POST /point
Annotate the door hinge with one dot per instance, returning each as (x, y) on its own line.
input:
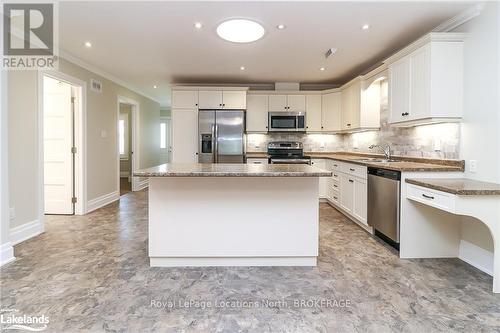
(73, 150)
(73, 200)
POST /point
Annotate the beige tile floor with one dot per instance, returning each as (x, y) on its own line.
(90, 274)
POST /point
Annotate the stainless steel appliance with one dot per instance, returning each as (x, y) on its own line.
(383, 204)
(286, 122)
(221, 136)
(287, 152)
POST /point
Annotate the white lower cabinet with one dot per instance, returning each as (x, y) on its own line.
(255, 160)
(323, 181)
(347, 189)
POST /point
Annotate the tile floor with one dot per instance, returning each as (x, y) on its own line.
(91, 274)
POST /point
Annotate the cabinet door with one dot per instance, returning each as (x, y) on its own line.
(347, 192)
(346, 108)
(330, 112)
(184, 135)
(313, 112)
(296, 103)
(257, 108)
(420, 83)
(184, 99)
(277, 103)
(355, 111)
(211, 99)
(399, 90)
(360, 203)
(236, 100)
(319, 163)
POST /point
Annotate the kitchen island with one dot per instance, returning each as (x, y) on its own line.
(233, 214)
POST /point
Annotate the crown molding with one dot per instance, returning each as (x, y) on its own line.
(430, 37)
(460, 19)
(79, 62)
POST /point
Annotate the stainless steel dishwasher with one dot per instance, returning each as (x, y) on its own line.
(383, 204)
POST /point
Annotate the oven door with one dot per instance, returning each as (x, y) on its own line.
(286, 122)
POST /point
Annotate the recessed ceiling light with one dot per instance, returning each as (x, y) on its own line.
(155, 86)
(88, 44)
(198, 25)
(240, 31)
(365, 27)
(322, 68)
(242, 68)
(281, 26)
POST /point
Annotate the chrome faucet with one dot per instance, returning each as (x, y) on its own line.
(385, 148)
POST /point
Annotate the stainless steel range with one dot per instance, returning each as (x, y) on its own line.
(287, 152)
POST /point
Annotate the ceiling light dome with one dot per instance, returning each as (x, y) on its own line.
(240, 31)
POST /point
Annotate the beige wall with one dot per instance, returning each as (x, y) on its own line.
(101, 114)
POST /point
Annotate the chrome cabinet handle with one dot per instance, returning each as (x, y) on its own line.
(428, 196)
(352, 169)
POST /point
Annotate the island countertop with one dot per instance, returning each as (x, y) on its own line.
(232, 170)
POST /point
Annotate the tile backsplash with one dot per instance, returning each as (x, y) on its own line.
(431, 141)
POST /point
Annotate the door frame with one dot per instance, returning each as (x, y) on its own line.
(80, 121)
(134, 147)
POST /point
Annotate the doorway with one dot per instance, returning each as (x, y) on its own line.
(124, 145)
(127, 154)
(165, 140)
(61, 144)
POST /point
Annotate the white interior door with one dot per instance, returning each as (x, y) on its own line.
(57, 144)
(164, 140)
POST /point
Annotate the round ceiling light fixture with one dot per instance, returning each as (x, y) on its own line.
(240, 31)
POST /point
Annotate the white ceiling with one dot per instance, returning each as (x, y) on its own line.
(155, 43)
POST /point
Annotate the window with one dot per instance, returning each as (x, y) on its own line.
(163, 135)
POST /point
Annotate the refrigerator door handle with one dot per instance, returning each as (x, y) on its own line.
(214, 140)
(216, 146)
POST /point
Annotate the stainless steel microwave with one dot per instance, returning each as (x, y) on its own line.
(286, 122)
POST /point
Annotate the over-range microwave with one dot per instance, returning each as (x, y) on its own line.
(286, 122)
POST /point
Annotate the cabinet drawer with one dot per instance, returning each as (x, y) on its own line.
(336, 176)
(441, 200)
(336, 165)
(335, 197)
(335, 184)
(257, 161)
(355, 170)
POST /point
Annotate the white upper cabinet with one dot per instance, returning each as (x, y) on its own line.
(360, 105)
(330, 112)
(257, 108)
(184, 99)
(285, 103)
(234, 99)
(277, 103)
(210, 99)
(313, 113)
(296, 103)
(426, 81)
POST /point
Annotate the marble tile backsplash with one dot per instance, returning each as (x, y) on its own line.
(312, 142)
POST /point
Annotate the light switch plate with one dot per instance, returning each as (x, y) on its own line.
(473, 166)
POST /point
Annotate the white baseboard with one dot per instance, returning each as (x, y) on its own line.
(142, 184)
(6, 253)
(25, 231)
(102, 201)
(476, 256)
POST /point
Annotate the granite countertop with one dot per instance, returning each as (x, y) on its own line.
(409, 164)
(458, 186)
(232, 170)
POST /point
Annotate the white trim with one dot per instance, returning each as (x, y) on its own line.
(460, 19)
(6, 253)
(476, 256)
(77, 61)
(134, 149)
(230, 261)
(80, 141)
(142, 184)
(102, 201)
(25, 231)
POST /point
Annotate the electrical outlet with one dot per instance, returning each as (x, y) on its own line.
(473, 166)
(12, 213)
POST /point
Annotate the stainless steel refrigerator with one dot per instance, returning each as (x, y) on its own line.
(221, 136)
